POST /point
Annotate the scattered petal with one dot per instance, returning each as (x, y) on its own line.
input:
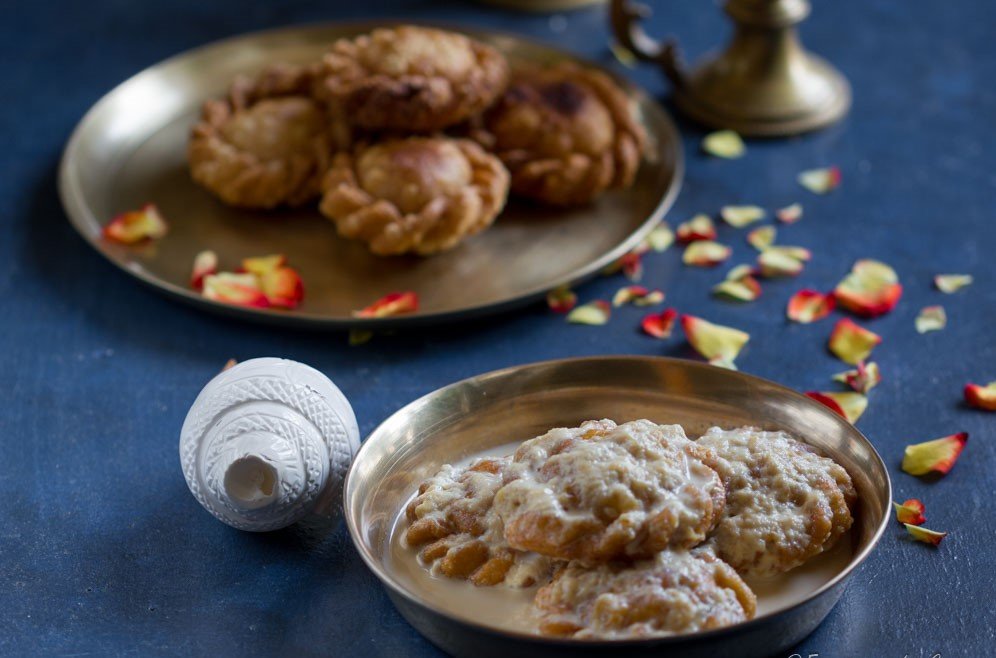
(762, 237)
(359, 336)
(808, 306)
(852, 343)
(561, 300)
(931, 318)
(862, 379)
(699, 227)
(395, 303)
(820, 181)
(206, 262)
(848, 404)
(871, 288)
(937, 456)
(910, 512)
(637, 295)
(632, 266)
(721, 362)
(706, 253)
(597, 312)
(981, 397)
(623, 54)
(950, 283)
(133, 226)
(231, 363)
(659, 325)
(744, 289)
(237, 289)
(724, 144)
(713, 341)
(774, 262)
(740, 272)
(741, 216)
(789, 214)
(661, 238)
(798, 253)
(260, 265)
(282, 286)
(926, 536)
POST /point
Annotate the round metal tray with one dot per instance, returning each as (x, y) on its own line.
(521, 402)
(130, 149)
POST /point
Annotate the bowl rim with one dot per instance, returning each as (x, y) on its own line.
(396, 589)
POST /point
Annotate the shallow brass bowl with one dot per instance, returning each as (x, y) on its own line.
(521, 402)
(130, 149)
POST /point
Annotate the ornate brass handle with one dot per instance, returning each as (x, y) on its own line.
(626, 18)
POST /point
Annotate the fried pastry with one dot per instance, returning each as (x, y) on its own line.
(602, 491)
(459, 534)
(566, 134)
(420, 194)
(785, 502)
(411, 78)
(676, 591)
(266, 144)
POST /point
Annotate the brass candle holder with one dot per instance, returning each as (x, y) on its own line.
(764, 84)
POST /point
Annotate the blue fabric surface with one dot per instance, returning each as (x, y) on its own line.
(102, 549)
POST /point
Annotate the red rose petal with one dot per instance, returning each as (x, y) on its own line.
(931, 537)
(848, 404)
(937, 456)
(659, 325)
(699, 227)
(808, 306)
(206, 262)
(395, 303)
(235, 289)
(134, 226)
(871, 288)
(910, 512)
(852, 343)
(561, 300)
(981, 397)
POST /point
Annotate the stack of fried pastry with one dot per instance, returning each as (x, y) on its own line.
(633, 530)
(411, 138)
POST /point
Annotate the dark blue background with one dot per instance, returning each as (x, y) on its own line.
(102, 549)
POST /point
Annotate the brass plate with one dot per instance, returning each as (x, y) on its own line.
(518, 403)
(130, 147)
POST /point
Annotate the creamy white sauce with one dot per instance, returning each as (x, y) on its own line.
(508, 609)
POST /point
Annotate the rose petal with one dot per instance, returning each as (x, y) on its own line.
(240, 289)
(659, 325)
(773, 262)
(926, 536)
(820, 181)
(597, 312)
(359, 336)
(133, 226)
(862, 379)
(721, 362)
(713, 341)
(848, 404)
(395, 303)
(852, 343)
(632, 266)
(808, 306)
(260, 265)
(762, 237)
(740, 272)
(744, 289)
(724, 144)
(931, 318)
(910, 512)
(937, 456)
(741, 216)
(661, 238)
(638, 295)
(206, 262)
(789, 214)
(561, 300)
(871, 288)
(231, 363)
(981, 397)
(705, 253)
(282, 286)
(699, 227)
(949, 283)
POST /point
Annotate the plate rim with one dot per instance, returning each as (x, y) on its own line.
(80, 214)
(394, 589)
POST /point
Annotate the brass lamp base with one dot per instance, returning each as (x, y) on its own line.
(764, 84)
